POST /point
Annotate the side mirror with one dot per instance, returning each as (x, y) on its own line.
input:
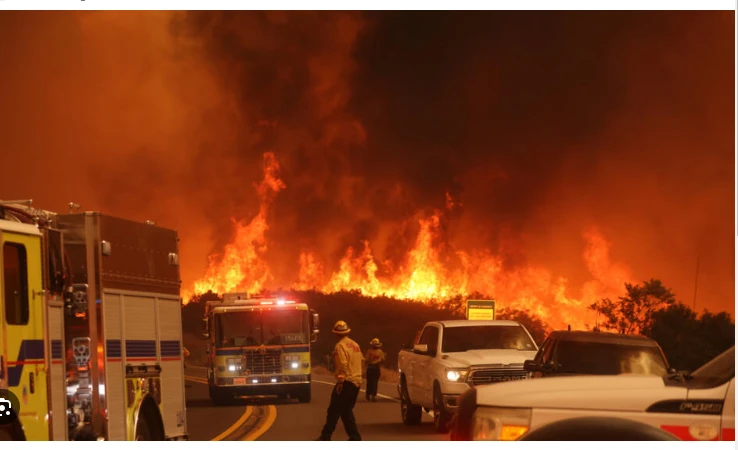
(314, 326)
(549, 367)
(530, 366)
(205, 330)
(420, 348)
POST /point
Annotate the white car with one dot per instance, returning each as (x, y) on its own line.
(698, 406)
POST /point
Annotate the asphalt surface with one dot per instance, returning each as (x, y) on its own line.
(271, 419)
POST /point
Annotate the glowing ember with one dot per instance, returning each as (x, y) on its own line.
(423, 275)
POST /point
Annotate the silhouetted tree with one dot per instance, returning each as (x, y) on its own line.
(634, 312)
(688, 341)
(536, 327)
(194, 310)
(676, 330)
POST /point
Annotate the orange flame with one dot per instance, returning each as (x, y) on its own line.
(242, 266)
(423, 275)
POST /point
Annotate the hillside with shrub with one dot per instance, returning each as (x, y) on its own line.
(688, 340)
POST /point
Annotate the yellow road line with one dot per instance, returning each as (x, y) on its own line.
(262, 427)
(254, 433)
(236, 425)
(196, 379)
(244, 417)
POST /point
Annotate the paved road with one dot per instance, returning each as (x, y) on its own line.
(271, 419)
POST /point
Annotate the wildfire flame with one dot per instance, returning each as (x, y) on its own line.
(242, 266)
(424, 275)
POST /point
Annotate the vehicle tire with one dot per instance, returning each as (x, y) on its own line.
(5, 435)
(216, 397)
(143, 432)
(305, 395)
(441, 416)
(149, 426)
(411, 414)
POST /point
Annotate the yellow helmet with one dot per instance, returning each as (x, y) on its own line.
(375, 343)
(341, 328)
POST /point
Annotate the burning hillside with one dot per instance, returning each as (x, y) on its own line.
(420, 154)
(429, 271)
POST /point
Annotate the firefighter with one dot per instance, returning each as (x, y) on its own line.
(349, 362)
(374, 357)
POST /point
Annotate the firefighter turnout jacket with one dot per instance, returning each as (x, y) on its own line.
(349, 361)
(375, 356)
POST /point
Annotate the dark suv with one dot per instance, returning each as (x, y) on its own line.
(597, 353)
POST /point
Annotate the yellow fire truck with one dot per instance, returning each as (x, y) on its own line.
(259, 345)
(90, 326)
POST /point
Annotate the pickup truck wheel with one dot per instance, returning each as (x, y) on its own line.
(411, 414)
(441, 417)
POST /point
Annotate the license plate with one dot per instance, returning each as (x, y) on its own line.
(240, 381)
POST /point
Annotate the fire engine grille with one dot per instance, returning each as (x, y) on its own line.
(497, 375)
(258, 363)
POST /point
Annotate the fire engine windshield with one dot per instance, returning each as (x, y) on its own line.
(270, 327)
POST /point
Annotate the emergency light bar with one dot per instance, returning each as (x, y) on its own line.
(279, 302)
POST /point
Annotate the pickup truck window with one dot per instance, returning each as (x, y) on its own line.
(544, 354)
(715, 373)
(430, 338)
(599, 358)
(462, 339)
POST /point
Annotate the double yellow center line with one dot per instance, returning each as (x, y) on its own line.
(261, 427)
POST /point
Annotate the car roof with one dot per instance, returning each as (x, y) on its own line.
(472, 323)
(603, 337)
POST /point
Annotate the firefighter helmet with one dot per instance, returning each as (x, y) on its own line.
(341, 328)
(375, 343)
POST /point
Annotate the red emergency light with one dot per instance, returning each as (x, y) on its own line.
(279, 302)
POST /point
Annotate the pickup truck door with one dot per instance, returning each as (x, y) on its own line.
(413, 372)
(423, 369)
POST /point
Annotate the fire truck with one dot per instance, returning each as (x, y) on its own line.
(90, 326)
(259, 345)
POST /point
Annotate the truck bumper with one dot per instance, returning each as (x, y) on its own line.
(263, 389)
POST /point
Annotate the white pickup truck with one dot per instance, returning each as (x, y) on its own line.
(699, 406)
(451, 356)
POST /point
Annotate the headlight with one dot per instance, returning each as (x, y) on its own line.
(500, 424)
(233, 364)
(456, 375)
(292, 361)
